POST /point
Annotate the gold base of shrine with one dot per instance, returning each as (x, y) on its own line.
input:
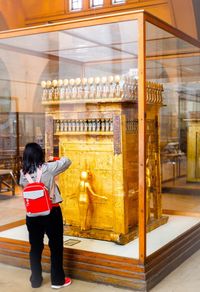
(108, 235)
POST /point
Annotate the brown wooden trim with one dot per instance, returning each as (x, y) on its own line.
(12, 225)
(97, 19)
(183, 238)
(107, 8)
(15, 254)
(107, 3)
(162, 262)
(89, 63)
(180, 213)
(86, 5)
(6, 242)
(13, 242)
(142, 139)
(84, 262)
(173, 56)
(126, 267)
(66, 6)
(79, 264)
(74, 23)
(104, 257)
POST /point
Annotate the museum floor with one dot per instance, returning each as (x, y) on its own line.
(185, 278)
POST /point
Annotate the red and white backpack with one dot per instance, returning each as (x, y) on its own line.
(36, 197)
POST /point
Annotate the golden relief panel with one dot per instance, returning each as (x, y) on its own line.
(99, 184)
(193, 152)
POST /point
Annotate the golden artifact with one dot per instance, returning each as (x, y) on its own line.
(85, 197)
(193, 151)
(148, 190)
(153, 188)
(98, 130)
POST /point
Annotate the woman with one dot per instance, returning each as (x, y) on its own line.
(52, 224)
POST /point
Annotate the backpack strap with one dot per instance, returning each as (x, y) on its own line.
(39, 174)
(28, 177)
(38, 178)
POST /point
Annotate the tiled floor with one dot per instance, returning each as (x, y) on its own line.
(186, 278)
(11, 210)
(13, 279)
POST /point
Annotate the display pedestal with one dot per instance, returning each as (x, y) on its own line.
(107, 235)
(96, 266)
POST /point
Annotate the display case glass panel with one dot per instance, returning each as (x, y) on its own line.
(80, 90)
(175, 64)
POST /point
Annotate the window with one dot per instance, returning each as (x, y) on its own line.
(76, 4)
(118, 1)
(96, 3)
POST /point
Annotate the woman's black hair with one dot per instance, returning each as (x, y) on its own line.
(33, 157)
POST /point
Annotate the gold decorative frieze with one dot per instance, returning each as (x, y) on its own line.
(84, 126)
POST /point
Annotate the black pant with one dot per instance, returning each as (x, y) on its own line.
(52, 225)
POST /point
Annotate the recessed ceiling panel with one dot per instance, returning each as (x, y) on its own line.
(98, 53)
(114, 33)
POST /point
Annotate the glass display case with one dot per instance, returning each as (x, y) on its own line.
(118, 95)
(17, 129)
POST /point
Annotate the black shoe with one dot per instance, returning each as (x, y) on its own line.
(36, 284)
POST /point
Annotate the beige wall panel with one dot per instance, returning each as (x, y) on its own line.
(161, 11)
(13, 15)
(38, 9)
(184, 17)
(24, 72)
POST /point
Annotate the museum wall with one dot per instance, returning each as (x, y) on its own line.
(11, 14)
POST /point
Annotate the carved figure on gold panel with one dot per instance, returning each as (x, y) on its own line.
(148, 190)
(84, 199)
(153, 189)
(157, 195)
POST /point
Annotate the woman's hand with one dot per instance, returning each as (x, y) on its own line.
(53, 158)
(50, 158)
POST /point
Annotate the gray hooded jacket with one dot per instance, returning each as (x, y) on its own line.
(49, 171)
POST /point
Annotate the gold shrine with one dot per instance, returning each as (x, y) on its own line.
(193, 149)
(97, 129)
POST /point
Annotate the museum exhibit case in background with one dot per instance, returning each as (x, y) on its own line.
(118, 95)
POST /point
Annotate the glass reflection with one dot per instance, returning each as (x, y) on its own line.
(175, 64)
